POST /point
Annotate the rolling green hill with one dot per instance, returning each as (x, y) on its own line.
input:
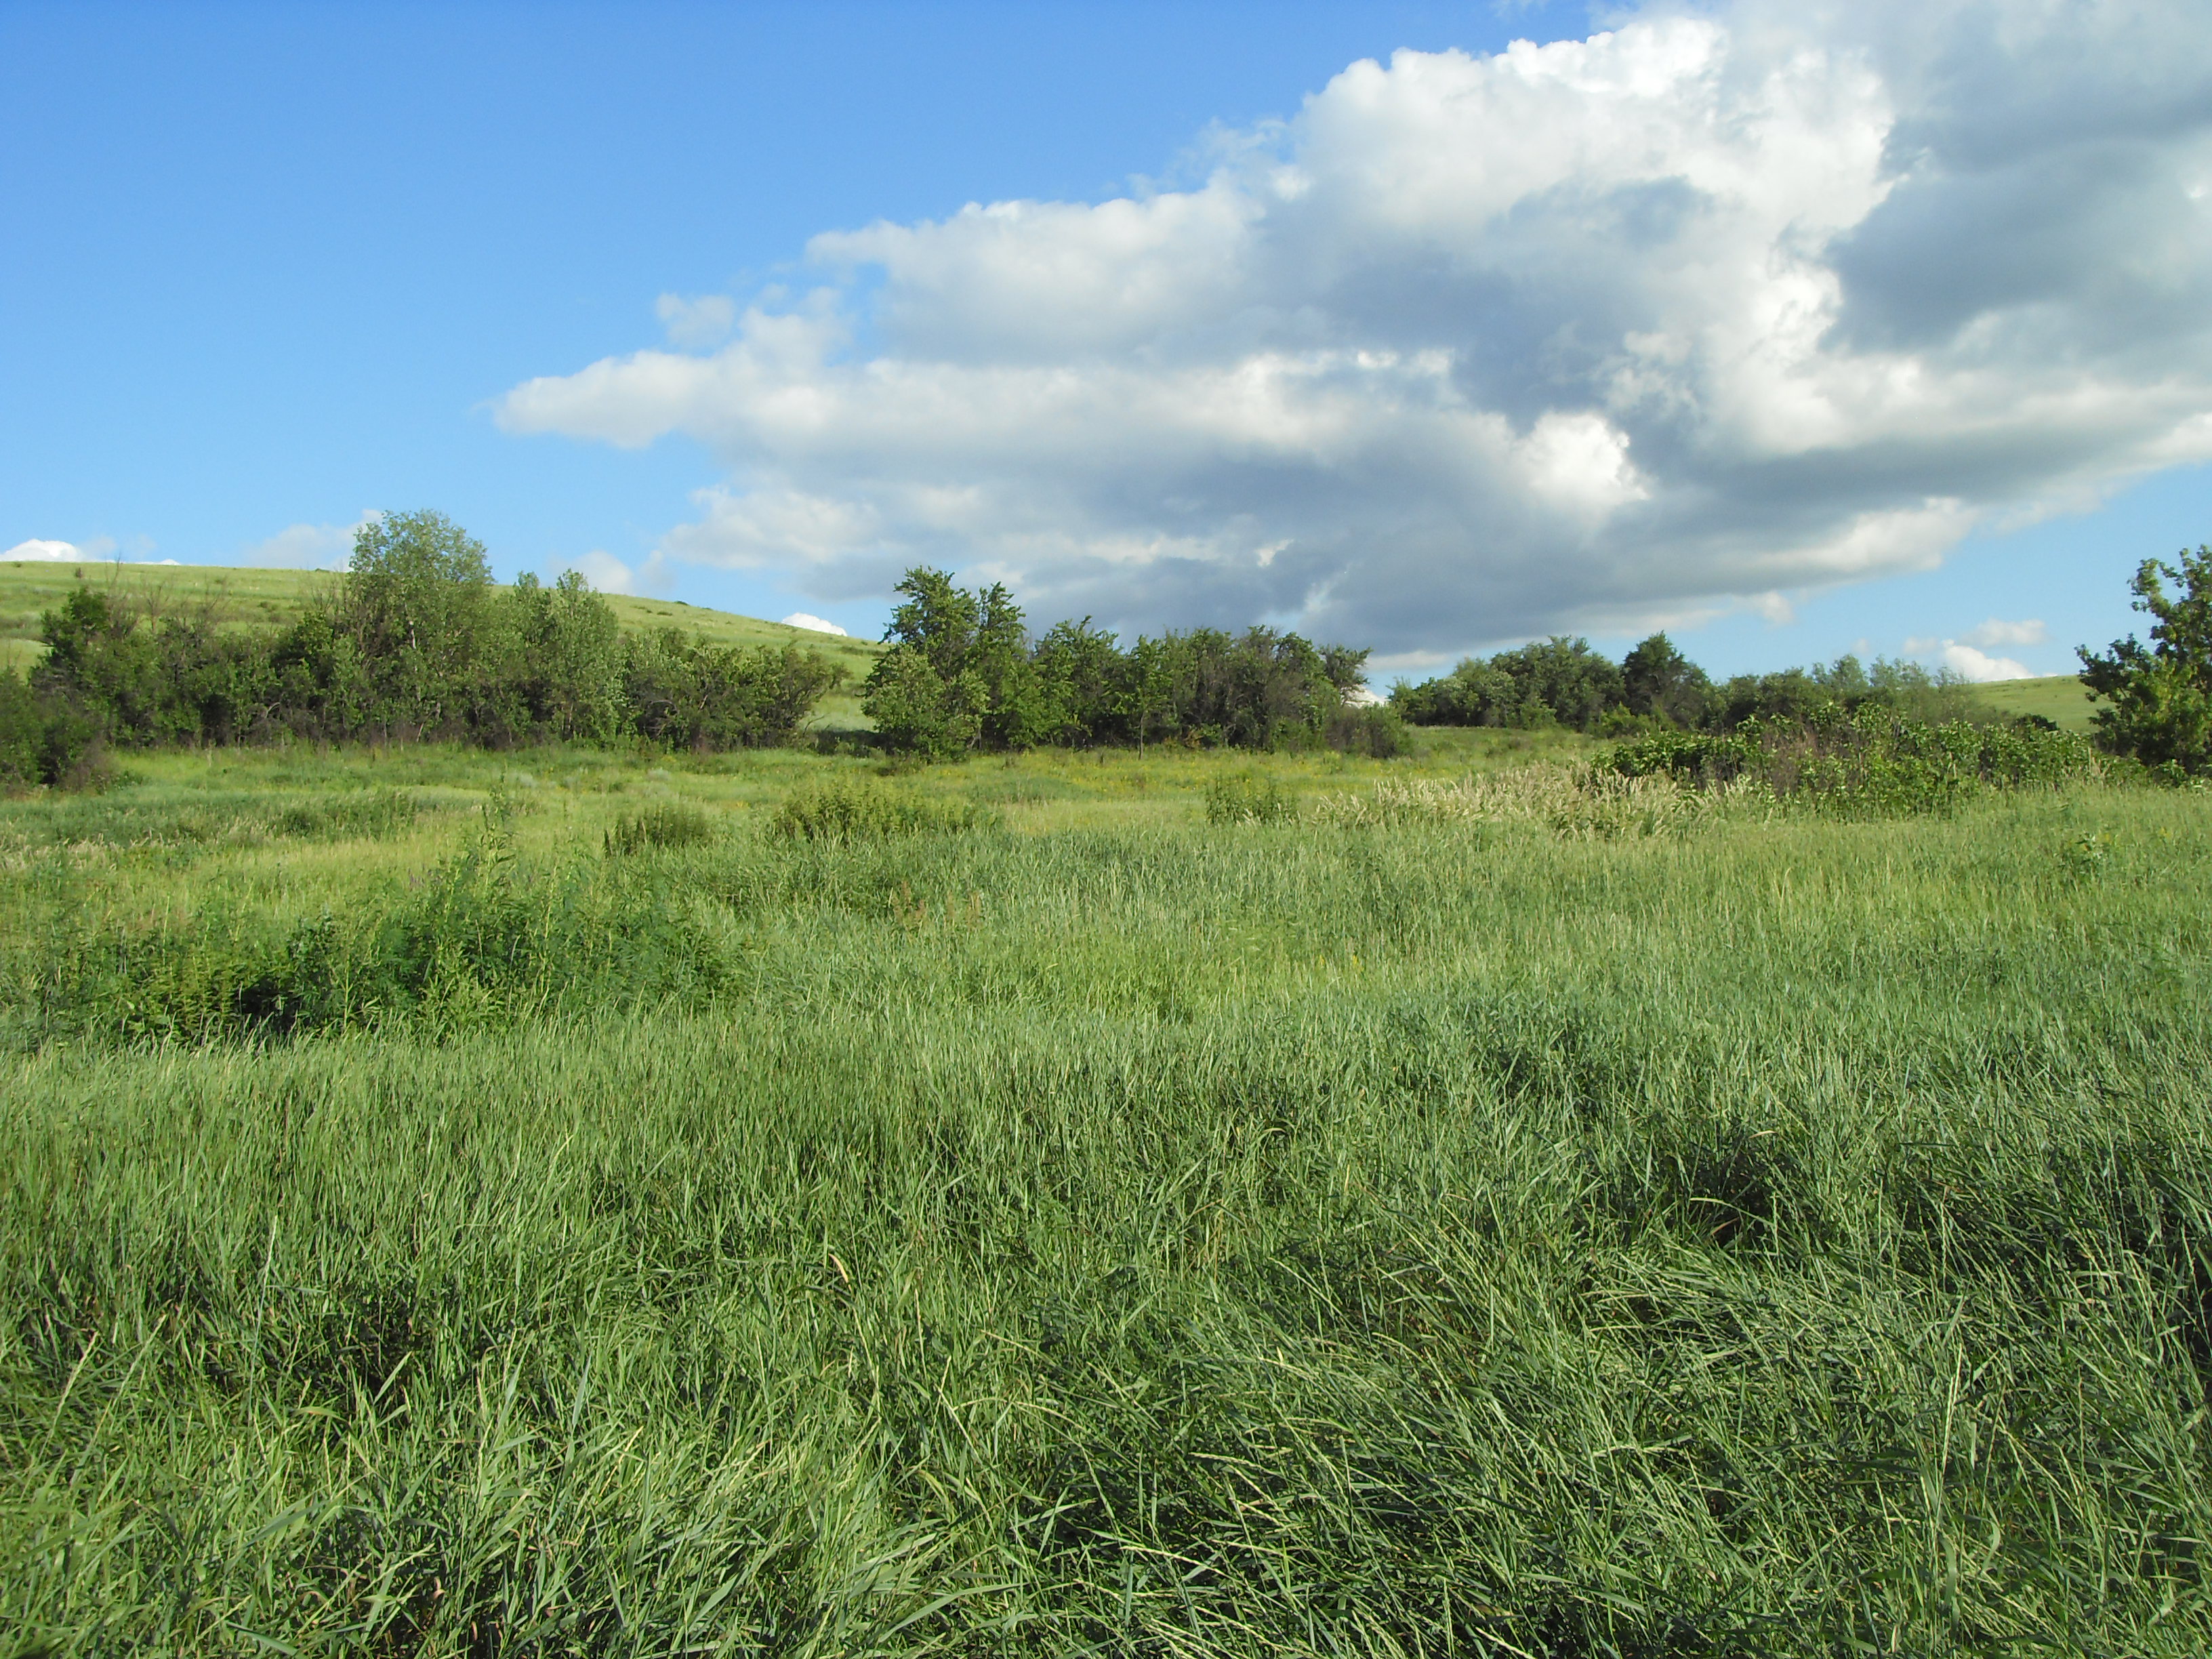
(274, 598)
(2058, 697)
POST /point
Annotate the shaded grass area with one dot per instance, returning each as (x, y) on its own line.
(1097, 1230)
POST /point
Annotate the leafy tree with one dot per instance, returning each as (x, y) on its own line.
(1658, 681)
(916, 707)
(1556, 681)
(418, 603)
(570, 669)
(2160, 695)
(1082, 681)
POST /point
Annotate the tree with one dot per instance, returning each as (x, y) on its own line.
(1658, 680)
(2160, 695)
(418, 603)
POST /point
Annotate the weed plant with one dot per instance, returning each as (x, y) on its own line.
(1247, 798)
(846, 812)
(1444, 1229)
(673, 824)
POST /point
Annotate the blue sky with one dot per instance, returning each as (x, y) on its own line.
(273, 266)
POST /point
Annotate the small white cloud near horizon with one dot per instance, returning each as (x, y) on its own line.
(308, 546)
(607, 573)
(705, 321)
(1968, 663)
(42, 550)
(1996, 631)
(814, 624)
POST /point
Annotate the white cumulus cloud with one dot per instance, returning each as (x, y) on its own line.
(814, 624)
(1996, 631)
(704, 321)
(1967, 661)
(308, 546)
(1693, 312)
(607, 573)
(45, 550)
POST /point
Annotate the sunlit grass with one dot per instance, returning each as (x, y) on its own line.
(1080, 1227)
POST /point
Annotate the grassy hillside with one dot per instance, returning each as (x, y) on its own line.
(273, 599)
(1723, 1231)
(2056, 697)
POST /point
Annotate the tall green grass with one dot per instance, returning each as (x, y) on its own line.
(1440, 1232)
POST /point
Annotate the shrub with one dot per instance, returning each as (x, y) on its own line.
(848, 812)
(365, 815)
(1873, 762)
(1246, 798)
(672, 824)
(1378, 734)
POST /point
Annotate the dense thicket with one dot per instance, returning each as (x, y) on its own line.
(965, 673)
(1565, 682)
(415, 642)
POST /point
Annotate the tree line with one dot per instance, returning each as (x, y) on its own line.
(415, 642)
(963, 673)
(1563, 682)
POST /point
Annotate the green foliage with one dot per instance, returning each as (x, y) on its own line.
(1657, 682)
(2159, 695)
(415, 643)
(1557, 680)
(687, 694)
(420, 607)
(962, 674)
(1656, 688)
(570, 676)
(919, 709)
(1379, 734)
(848, 812)
(45, 738)
(672, 823)
(1247, 798)
(1873, 763)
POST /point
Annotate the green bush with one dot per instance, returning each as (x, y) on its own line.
(1246, 798)
(1378, 734)
(1872, 763)
(850, 812)
(672, 824)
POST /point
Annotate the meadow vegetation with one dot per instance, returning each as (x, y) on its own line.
(1513, 1198)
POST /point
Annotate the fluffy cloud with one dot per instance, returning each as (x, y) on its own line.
(50, 551)
(1996, 631)
(701, 322)
(1689, 313)
(814, 624)
(308, 546)
(1966, 661)
(609, 574)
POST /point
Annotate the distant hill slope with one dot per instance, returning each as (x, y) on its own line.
(2058, 697)
(274, 598)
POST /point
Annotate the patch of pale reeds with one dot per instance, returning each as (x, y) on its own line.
(1571, 800)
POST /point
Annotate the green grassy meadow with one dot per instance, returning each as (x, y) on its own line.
(1721, 1230)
